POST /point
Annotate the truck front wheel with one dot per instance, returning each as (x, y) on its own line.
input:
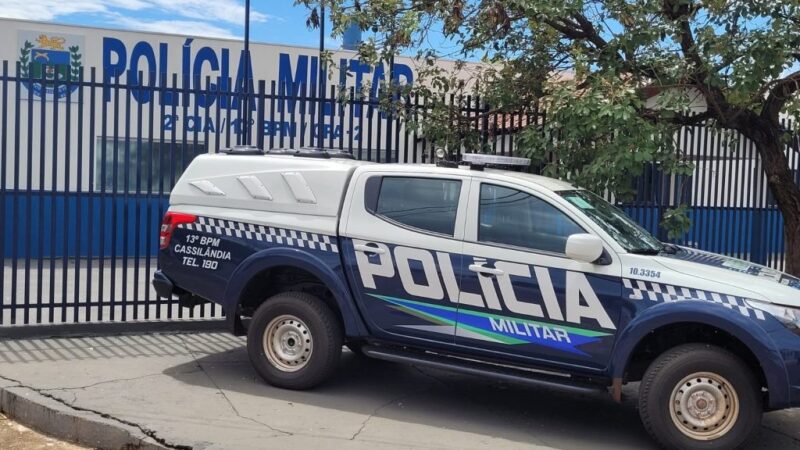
(697, 396)
(294, 340)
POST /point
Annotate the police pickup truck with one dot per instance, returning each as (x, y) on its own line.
(490, 272)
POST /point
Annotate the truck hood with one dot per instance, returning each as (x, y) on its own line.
(766, 284)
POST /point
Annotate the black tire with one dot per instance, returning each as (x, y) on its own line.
(318, 321)
(660, 396)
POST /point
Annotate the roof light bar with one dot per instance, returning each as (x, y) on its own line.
(477, 158)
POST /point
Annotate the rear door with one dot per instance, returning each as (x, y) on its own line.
(401, 242)
(521, 296)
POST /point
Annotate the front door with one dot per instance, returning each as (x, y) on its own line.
(402, 246)
(521, 297)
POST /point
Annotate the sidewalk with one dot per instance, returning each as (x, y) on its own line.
(197, 390)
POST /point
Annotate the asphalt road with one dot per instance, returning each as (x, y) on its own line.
(200, 390)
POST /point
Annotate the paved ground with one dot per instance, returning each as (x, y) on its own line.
(199, 390)
(14, 436)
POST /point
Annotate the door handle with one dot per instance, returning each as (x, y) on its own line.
(485, 270)
(368, 249)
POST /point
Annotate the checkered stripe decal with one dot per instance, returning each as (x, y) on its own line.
(264, 233)
(657, 292)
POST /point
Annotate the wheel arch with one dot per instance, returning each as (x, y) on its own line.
(260, 264)
(697, 321)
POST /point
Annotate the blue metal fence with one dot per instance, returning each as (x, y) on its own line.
(86, 166)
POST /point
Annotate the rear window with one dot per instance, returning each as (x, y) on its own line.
(428, 204)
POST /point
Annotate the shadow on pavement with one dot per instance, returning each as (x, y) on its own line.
(519, 413)
(442, 399)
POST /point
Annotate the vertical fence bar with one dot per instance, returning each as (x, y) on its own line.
(340, 97)
(126, 188)
(67, 196)
(228, 106)
(396, 127)
(190, 97)
(292, 117)
(415, 115)
(303, 100)
(272, 101)
(262, 87)
(407, 111)
(76, 288)
(351, 118)
(113, 197)
(16, 199)
(29, 204)
(283, 97)
(740, 221)
(41, 197)
(729, 197)
(313, 109)
(92, 194)
(210, 99)
(330, 130)
(359, 132)
(381, 117)
(103, 194)
(3, 185)
(172, 148)
(705, 188)
(136, 300)
(149, 201)
(51, 211)
(162, 118)
(370, 120)
(217, 115)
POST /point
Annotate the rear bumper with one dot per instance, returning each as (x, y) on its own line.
(166, 288)
(163, 285)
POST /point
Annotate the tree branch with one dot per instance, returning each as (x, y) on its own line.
(680, 13)
(655, 115)
(579, 28)
(782, 90)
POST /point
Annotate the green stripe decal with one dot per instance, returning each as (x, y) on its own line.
(449, 309)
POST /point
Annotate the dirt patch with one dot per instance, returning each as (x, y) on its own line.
(14, 436)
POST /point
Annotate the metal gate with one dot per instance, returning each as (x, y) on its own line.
(86, 165)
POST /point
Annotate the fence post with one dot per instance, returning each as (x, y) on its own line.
(758, 249)
(258, 128)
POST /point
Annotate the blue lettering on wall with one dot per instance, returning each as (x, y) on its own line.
(297, 77)
(142, 50)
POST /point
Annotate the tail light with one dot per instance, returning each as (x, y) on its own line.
(169, 223)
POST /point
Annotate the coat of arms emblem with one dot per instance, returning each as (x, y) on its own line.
(50, 64)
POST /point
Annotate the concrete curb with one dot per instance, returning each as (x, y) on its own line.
(104, 328)
(82, 427)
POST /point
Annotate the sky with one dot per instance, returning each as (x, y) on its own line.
(273, 21)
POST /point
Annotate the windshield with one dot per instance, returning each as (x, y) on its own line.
(628, 233)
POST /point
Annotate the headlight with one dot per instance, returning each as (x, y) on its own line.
(788, 316)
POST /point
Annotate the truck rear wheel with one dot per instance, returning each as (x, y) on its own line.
(697, 396)
(294, 340)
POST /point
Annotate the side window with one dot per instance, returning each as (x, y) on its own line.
(428, 204)
(511, 217)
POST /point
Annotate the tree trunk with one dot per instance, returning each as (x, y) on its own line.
(781, 182)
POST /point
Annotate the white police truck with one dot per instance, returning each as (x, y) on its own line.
(489, 272)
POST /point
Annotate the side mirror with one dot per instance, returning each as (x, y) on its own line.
(584, 247)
